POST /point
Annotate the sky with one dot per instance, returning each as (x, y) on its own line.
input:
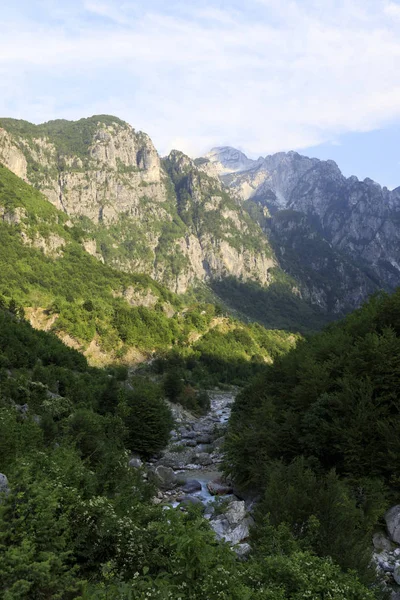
(318, 76)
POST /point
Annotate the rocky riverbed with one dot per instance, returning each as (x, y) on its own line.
(386, 554)
(188, 471)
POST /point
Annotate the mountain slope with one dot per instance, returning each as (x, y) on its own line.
(108, 314)
(307, 206)
(284, 220)
(110, 181)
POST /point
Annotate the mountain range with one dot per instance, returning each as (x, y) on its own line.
(285, 227)
(186, 280)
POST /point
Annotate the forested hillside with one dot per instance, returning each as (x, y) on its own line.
(77, 522)
(91, 351)
(317, 436)
(110, 315)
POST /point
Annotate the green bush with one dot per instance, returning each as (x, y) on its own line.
(147, 418)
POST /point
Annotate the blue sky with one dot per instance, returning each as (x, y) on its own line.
(318, 76)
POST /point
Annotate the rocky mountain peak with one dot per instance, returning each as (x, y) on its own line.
(182, 220)
(180, 160)
(230, 160)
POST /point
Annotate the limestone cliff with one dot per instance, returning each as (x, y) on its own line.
(132, 210)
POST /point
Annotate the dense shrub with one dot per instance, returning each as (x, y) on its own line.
(147, 418)
(332, 400)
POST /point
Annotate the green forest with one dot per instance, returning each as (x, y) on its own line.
(76, 521)
(90, 301)
(317, 435)
(313, 435)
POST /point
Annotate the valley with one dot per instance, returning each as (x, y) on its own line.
(199, 372)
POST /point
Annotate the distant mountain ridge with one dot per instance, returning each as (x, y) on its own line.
(358, 218)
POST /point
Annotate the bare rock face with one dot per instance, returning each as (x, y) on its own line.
(392, 518)
(222, 240)
(11, 155)
(164, 477)
(309, 204)
(4, 487)
(168, 218)
(107, 179)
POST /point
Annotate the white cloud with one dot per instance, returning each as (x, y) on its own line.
(392, 9)
(274, 76)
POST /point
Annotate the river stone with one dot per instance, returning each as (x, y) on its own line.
(241, 532)
(204, 439)
(191, 485)
(209, 511)
(200, 426)
(381, 542)
(218, 442)
(396, 573)
(217, 488)
(220, 527)
(135, 462)
(165, 477)
(190, 435)
(203, 458)
(392, 518)
(4, 487)
(204, 448)
(242, 550)
(191, 500)
(236, 512)
(191, 443)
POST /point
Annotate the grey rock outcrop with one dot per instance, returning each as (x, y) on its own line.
(392, 518)
(4, 487)
(309, 204)
(135, 462)
(156, 212)
(164, 477)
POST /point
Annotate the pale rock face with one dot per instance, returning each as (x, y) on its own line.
(11, 155)
(209, 169)
(91, 248)
(123, 167)
(12, 217)
(229, 160)
(118, 180)
(192, 249)
(51, 246)
(244, 264)
(136, 297)
(233, 216)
